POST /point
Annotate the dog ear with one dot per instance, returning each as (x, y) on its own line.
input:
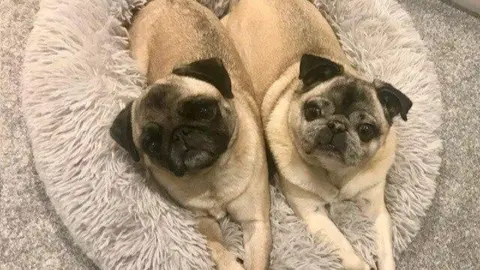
(121, 131)
(393, 100)
(211, 71)
(317, 69)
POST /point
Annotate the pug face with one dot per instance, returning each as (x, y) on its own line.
(184, 122)
(338, 120)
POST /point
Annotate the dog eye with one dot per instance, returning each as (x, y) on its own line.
(206, 113)
(366, 132)
(200, 110)
(311, 112)
(151, 138)
(154, 148)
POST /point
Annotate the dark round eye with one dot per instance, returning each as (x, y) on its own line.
(206, 113)
(151, 138)
(366, 132)
(311, 112)
(200, 110)
(154, 148)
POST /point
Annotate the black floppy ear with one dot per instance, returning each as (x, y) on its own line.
(211, 71)
(121, 131)
(393, 100)
(317, 69)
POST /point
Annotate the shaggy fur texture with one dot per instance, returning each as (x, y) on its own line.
(78, 75)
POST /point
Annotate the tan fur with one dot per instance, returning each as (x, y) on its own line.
(280, 37)
(167, 34)
(271, 37)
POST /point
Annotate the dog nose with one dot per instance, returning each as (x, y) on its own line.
(327, 137)
(340, 141)
(182, 133)
(336, 126)
(324, 136)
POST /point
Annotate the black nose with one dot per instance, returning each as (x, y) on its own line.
(336, 126)
(340, 141)
(182, 133)
(334, 135)
(324, 136)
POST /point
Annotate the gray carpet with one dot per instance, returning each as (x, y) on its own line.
(32, 237)
(31, 234)
(450, 238)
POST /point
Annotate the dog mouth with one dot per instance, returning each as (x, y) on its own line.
(183, 159)
(326, 145)
(329, 148)
(187, 149)
(194, 149)
(326, 150)
(328, 142)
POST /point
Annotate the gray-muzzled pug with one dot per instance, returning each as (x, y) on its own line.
(330, 131)
(197, 129)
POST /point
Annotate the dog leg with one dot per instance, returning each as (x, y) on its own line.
(223, 258)
(324, 229)
(375, 209)
(311, 209)
(252, 211)
(383, 226)
(257, 242)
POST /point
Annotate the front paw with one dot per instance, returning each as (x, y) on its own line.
(385, 263)
(353, 262)
(229, 261)
(232, 266)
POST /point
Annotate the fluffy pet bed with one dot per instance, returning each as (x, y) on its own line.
(78, 75)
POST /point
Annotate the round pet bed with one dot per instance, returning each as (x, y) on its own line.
(78, 75)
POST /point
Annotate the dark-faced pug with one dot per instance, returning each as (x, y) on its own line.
(196, 128)
(330, 130)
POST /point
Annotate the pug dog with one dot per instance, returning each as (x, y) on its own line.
(329, 129)
(197, 129)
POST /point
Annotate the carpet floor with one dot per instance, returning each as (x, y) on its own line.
(33, 237)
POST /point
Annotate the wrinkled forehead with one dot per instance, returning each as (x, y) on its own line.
(180, 87)
(160, 94)
(352, 96)
(349, 95)
(174, 90)
(164, 97)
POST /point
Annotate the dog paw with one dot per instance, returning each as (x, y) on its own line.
(385, 263)
(355, 263)
(230, 266)
(236, 266)
(230, 262)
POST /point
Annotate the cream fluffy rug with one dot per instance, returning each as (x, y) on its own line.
(78, 75)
